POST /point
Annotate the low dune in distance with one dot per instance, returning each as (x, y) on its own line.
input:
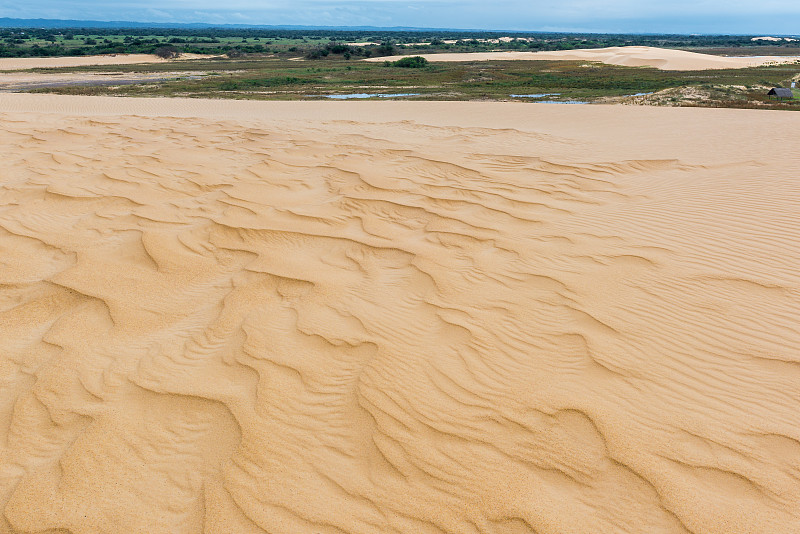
(427, 317)
(24, 63)
(630, 56)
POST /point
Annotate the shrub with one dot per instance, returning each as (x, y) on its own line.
(413, 62)
(167, 52)
(385, 49)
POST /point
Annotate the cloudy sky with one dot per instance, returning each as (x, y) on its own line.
(679, 16)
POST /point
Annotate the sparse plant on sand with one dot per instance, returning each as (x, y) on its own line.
(167, 52)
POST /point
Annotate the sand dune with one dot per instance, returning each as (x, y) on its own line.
(631, 56)
(319, 317)
(23, 63)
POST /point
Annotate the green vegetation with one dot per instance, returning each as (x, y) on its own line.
(318, 44)
(273, 78)
(411, 62)
(167, 52)
(301, 64)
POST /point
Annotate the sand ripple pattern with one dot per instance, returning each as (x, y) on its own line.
(285, 327)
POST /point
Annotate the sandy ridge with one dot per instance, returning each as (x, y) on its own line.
(631, 56)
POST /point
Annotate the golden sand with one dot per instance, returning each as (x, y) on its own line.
(630, 56)
(328, 317)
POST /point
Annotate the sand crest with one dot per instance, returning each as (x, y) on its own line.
(325, 317)
(631, 56)
(23, 63)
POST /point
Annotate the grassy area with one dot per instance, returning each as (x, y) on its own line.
(271, 78)
(762, 50)
(32, 43)
(298, 64)
(27, 42)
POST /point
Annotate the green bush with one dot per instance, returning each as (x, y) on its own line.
(167, 52)
(414, 62)
(385, 49)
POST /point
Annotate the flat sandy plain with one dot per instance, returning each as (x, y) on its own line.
(14, 81)
(328, 317)
(629, 56)
(25, 63)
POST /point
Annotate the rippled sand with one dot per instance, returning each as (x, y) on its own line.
(629, 56)
(235, 317)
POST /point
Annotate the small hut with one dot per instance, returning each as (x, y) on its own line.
(780, 92)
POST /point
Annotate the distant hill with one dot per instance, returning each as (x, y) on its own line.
(58, 23)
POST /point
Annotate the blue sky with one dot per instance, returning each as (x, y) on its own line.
(679, 16)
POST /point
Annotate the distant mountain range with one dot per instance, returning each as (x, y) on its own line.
(58, 23)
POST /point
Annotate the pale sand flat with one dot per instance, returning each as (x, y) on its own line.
(24, 63)
(631, 56)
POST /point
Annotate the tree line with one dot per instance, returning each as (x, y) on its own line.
(320, 44)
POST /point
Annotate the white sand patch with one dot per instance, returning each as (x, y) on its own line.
(632, 56)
